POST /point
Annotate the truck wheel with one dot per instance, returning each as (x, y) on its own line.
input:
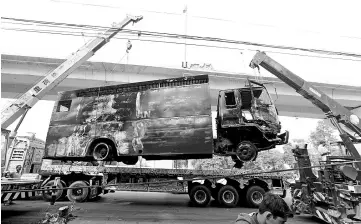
(254, 196)
(246, 151)
(58, 193)
(79, 194)
(200, 195)
(228, 196)
(102, 151)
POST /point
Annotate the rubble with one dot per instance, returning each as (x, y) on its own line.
(63, 216)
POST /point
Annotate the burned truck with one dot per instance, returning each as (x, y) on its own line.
(162, 119)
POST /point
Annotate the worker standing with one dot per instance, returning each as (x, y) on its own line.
(16, 174)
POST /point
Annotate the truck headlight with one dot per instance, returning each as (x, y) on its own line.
(354, 119)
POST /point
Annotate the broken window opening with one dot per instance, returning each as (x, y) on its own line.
(230, 99)
(265, 98)
(64, 106)
(246, 98)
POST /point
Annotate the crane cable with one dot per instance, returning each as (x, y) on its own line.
(129, 46)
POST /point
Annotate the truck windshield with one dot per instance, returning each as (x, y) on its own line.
(262, 96)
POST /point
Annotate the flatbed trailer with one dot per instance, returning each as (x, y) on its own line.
(228, 187)
(17, 185)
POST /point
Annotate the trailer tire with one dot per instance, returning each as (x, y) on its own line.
(102, 151)
(200, 195)
(254, 196)
(58, 193)
(228, 196)
(78, 195)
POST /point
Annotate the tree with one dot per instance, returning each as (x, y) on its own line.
(321, 140)
(270, 160)
(287, 156)
(323, 135)
(217, 162)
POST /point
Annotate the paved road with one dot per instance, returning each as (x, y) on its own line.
(131, 207)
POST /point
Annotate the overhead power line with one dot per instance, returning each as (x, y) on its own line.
(164, 35)
(130, 37)
(198, 17)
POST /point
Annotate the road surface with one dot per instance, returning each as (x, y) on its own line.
(131, 207)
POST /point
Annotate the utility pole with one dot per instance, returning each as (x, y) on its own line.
(185, 11)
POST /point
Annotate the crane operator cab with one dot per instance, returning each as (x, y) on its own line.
(247, 122)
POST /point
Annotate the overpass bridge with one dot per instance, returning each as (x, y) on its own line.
(20, 73)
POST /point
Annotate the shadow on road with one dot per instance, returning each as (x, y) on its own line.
(11, 213)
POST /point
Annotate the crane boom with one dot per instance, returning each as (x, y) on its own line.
(347, 123)
(53, 78)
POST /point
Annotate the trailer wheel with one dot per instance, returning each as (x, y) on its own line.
(58, 193)
(254, 196)
(200, 195)
(228, 196)
(102, 151)
(79, 194)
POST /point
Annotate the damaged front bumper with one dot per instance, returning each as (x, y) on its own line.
(283, 138)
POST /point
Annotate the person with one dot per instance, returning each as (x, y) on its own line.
(16, 174)
(272, 210)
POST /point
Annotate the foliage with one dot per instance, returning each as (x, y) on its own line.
(217, 162)
(323, 135)
(287, 156)
(270, 160)
(322, 138)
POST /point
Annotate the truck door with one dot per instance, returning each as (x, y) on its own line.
(229, 108)
(263, 107)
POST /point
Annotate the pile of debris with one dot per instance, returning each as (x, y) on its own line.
(63, 216)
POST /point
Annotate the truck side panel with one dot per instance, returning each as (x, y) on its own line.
(171, 120)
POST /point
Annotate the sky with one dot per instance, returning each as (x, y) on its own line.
(328, 25)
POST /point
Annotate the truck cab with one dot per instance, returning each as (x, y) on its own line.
(247, 122)
(26, 152)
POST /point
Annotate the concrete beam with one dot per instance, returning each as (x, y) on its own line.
(288, 105)
(20, 73)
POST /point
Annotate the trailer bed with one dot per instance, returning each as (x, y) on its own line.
(159, 172)
(18, 184)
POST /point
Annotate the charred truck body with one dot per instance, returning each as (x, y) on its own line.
(162, 119)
